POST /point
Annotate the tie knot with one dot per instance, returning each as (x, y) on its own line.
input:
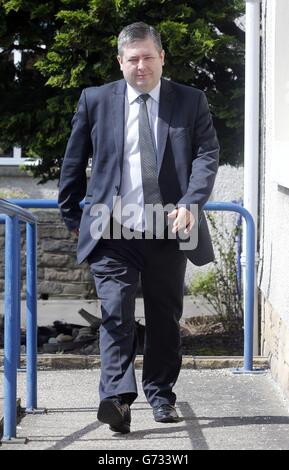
(144, 97)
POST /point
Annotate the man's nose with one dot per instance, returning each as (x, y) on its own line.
(140, 64)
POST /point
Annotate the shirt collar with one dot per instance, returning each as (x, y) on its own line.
(133, 94)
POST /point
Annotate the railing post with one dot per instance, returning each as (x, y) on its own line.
(18, 289)
(10, 329)
(249, 292)
(15, 214)
(31, 316)
(249, 289)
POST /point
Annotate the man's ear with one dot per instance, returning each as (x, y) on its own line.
(119, 58)
(163, 56)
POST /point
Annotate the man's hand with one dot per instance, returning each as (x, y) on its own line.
(184, 219)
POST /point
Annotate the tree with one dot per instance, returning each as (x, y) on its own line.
(71, 44)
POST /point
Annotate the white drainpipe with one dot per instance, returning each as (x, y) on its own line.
(251, 151)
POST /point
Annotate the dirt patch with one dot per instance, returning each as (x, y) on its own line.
(200, 336)
(212, 336)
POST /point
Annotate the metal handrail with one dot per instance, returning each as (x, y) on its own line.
(248, 288)
(12, 311)
(9, 208)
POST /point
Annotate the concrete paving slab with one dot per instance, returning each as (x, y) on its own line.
(218, 410)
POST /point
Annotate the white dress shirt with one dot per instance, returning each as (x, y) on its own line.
(131, 191)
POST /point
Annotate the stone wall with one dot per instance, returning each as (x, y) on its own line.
(58, 272)
(275, 345)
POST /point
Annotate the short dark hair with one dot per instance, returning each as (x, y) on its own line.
(138, 32)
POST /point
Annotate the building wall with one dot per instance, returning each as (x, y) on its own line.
(273, 275)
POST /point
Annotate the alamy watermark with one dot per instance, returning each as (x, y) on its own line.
(120, 222)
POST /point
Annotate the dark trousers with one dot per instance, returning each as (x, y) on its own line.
(116, 266)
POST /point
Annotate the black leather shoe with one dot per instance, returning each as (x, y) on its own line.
(165, 414)
(116, 414)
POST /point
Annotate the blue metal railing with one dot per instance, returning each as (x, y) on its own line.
(12, 304)
(249, 286)
(239, 249)
(14, 215)
(250, 256)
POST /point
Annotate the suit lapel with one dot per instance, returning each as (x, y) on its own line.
(165, 113)
(118, 110)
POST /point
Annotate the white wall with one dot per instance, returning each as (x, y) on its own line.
(17, 184)
(280, 160)
(273, 273)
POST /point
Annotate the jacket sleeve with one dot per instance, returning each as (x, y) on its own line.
(205, 161)
(72, 184)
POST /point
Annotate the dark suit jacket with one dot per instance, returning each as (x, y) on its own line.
(187, 157)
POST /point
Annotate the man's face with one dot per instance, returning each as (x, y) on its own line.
(142, 64)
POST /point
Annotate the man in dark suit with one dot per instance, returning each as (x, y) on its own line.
(152, 143)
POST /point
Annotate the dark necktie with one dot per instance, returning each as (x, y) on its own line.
(149, 173)
(151, 190)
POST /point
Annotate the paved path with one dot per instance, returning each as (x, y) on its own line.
(218, 410)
